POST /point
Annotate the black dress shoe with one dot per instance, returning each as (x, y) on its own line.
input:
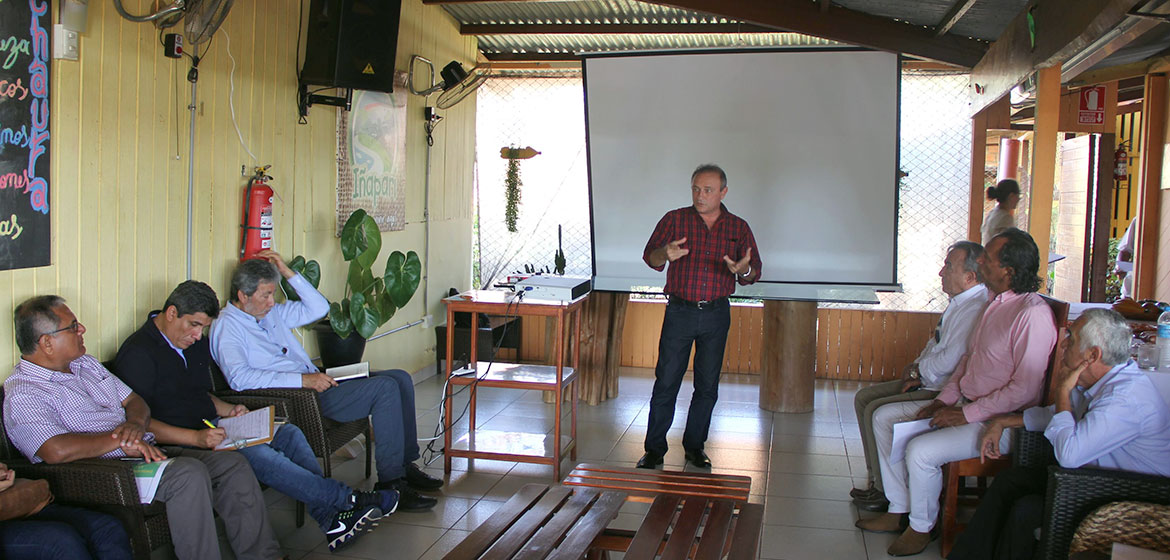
(649, 461)
(699, 459)
(408, 498)
(878, 504)
(420, 480)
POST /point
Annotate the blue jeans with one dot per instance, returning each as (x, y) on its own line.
(62, 532)
(388, 396)
(682, 326)
(288, 465)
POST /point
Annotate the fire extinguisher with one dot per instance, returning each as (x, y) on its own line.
(256, 225)
(1121, 163)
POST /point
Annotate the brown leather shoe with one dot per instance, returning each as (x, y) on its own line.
(909, 543)
(884, 523)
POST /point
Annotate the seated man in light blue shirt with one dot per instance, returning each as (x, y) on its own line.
(1107, 415)
(253, 343)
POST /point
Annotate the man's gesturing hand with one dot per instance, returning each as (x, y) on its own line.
(673, 250)
(317, 381)
(742, 265)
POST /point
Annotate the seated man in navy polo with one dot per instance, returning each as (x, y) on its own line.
(253, 343)
(166, 362)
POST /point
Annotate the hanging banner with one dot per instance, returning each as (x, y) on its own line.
(371, 157)
(24, 134)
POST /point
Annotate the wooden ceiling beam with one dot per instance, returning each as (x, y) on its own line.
(825, 5)
(844, 25)
(532, 56)
(609, 28)
(441, 2)
(953, 15)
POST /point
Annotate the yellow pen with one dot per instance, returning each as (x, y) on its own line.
(209, 424)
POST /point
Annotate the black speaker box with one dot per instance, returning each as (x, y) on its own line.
(351, 44)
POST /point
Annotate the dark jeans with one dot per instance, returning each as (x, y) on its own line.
(388, 396)
(1006, 520)
(288, 465)
(682, 326)
(61, 532)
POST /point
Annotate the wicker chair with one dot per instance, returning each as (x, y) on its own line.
(101, 484)
(324, 435)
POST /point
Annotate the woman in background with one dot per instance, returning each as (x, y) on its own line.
(1007, 194)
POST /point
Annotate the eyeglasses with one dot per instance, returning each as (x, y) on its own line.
(70, 327)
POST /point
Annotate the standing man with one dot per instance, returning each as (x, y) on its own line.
(1002, 372)
(61, 405)
(253, 343)
(167, 362)
(709, 249)
(922, 378)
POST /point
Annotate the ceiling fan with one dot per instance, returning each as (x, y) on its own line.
(202, 17)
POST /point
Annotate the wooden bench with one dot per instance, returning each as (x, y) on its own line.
(538, 522)
(644, 485)
(688, 527)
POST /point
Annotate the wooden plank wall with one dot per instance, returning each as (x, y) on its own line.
(865, 345)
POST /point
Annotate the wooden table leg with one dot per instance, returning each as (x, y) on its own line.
(789, 360)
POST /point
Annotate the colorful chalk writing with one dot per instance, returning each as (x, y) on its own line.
(25, 225)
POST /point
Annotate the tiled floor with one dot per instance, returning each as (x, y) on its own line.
(802, 467)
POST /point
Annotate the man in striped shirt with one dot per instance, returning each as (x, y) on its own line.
(709, 249)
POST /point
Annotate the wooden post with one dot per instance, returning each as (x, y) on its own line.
(1044, 162)
(1145, 261)
(789, 357)
(978, 164)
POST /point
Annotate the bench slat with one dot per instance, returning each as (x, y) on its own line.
(712, 542)
(745, 541)
(483, 536)
(582, 534)
(686, 527)
(545, 539)
(652, 488)
(650, 534)
(515, 537)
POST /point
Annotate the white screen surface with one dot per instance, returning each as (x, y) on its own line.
(809, 141)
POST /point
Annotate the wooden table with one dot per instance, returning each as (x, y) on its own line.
(514, 446)
(541, 522)
(643, 485)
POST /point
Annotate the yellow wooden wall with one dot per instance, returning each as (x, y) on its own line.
(118, 197)
(859, 344)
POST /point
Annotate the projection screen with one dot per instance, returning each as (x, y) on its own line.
(809, 141)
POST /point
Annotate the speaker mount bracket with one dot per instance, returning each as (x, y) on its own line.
(305, 99)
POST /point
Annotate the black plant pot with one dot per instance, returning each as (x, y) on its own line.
(337, 351)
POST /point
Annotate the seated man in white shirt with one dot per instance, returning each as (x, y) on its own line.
(1107, 415)
(922, 378)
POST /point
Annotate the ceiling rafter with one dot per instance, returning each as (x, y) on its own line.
(953, 15)
(609, 28)
(842, 24)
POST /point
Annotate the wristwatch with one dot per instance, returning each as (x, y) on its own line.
(749, 271)
(914, 371)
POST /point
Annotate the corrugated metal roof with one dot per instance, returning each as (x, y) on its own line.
(985, 19)
(493, 44)
(599, 11)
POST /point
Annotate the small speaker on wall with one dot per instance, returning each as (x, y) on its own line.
(351, 44)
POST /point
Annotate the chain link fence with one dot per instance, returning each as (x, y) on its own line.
(546, 111)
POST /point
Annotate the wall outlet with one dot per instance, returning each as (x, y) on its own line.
(428, 321)
(66, 43)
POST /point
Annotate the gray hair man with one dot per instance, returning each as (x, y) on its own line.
(1107, 415)
(922, 378)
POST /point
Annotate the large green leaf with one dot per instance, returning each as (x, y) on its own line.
(403, 273)
(365, 319)
(312, 273)
(360, 279)
(385, 307)
(339, 318)
(353, 239)
(309, 269)
(373, 237)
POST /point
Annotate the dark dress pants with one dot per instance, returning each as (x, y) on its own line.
(682, 327)
(1006, 520)
(60, 532)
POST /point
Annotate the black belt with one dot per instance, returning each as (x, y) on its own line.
(698, 304)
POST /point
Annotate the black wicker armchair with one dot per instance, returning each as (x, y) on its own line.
(1074, 493)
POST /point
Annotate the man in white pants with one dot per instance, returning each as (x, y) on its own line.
(1002, 372)
(922, 378)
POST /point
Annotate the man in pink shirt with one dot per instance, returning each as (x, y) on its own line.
(1002, 372)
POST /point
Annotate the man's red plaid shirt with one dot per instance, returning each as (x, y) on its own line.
(702, 275)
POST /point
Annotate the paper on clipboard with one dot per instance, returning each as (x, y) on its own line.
(250, 429)
(903, 433)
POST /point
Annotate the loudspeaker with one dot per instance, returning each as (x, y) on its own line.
(351, 44)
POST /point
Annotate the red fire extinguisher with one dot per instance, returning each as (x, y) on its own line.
(1121, 163)
(256, 225)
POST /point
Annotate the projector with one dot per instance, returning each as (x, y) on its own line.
(556, 288)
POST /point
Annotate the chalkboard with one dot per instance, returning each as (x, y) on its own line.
(24, 134)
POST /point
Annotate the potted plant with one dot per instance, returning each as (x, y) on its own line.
(368, 301)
